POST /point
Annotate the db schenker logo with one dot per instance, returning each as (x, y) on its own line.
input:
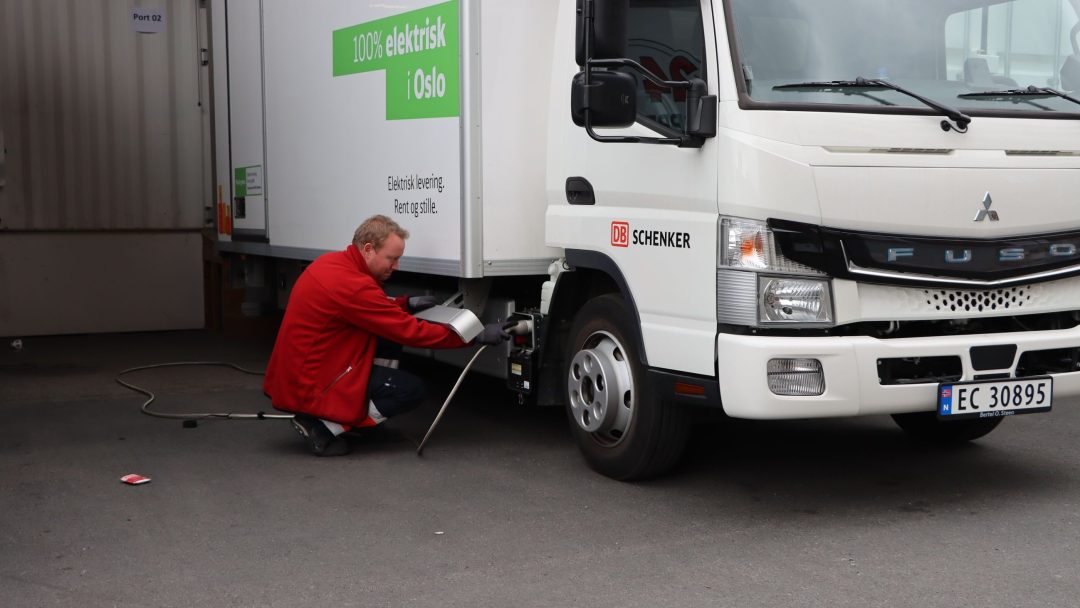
(620, 234)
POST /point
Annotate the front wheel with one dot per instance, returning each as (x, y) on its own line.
(621, 431)
(925, 427)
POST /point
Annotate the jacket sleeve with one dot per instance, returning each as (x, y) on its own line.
(369, 309)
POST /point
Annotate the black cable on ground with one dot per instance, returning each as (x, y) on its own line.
(190, 420)
(195, 416)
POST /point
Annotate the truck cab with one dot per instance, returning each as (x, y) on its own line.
(813, 209)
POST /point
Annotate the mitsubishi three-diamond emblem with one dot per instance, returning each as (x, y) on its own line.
(986, 211)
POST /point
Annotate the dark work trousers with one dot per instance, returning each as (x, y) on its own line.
(393, 391)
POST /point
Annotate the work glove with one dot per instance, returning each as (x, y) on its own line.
(493, 335)
(418, 303)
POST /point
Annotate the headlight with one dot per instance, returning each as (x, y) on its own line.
(793, 300)
(749, 245)
(747, 295)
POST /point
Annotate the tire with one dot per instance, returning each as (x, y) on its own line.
(620, 430)
(925, 427)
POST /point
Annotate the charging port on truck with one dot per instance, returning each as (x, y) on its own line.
(521, 365)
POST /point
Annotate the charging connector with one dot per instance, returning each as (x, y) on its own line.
(521, 362)
(522, 327)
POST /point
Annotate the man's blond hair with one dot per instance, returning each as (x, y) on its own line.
(375, 230)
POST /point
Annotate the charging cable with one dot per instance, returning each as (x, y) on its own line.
(442, 410)
(514, 328)
(190, 420)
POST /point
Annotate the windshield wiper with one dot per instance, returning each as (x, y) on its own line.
(960, 121)
(1031, 91)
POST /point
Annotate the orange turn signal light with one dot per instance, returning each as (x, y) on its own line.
(751, 246)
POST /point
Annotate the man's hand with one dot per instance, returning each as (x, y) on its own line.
(493, 335)
(418, 303)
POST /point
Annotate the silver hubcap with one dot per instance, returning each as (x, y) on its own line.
(601, 388)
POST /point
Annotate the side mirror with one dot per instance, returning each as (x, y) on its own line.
(609, 27)
(700, 110)
(612, 99)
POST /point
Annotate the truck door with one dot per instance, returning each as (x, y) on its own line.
(654, 210)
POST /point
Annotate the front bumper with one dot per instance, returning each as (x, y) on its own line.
(852, 387)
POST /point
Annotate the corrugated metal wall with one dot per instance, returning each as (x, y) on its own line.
(107, 167)
(104, 127)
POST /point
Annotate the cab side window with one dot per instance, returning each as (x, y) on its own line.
(668, 39)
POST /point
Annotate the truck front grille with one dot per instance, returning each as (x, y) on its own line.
(894, 303)
(955, 300)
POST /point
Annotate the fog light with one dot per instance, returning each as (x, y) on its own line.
(796, 377)
(795, 301)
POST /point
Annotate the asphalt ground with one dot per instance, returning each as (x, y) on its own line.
(501, 510)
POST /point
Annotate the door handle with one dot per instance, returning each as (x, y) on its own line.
(579, 191)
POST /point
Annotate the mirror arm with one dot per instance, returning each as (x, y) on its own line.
(682, 142)
(619, 139)
(630, 63)
(588, 6)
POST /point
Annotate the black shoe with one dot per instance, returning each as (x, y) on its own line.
(320, 440)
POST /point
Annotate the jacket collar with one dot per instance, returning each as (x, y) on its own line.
(354, 254)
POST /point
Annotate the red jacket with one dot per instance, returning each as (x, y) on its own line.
(324, 350)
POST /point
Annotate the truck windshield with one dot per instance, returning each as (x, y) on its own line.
(942, 50)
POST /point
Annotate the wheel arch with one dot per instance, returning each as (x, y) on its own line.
(594, 274)
(591, 274)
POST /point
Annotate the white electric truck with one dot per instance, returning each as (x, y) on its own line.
(775, 208)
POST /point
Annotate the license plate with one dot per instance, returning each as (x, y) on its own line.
(992, 398)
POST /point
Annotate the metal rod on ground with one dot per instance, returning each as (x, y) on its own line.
(442, 410)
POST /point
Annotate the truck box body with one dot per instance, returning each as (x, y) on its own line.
(349, 113)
